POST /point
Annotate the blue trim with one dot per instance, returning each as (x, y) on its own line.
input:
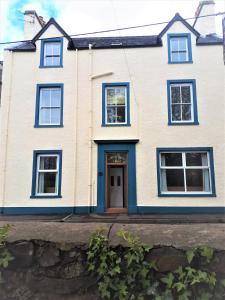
(186, 35)
(48, 85)
(102, 150)
(195, 110)
(113, 84)
(79, 210)
(34, 172)
(49, 40)
(189, 149)
(180, 210)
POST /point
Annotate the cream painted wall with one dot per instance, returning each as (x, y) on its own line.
(147, 70)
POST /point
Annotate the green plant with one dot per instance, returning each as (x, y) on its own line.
(125, 273)
(5, 256)
(119, 271)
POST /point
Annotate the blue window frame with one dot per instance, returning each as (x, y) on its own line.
(179, 48)
(116, 104)
(49, 105)
(185, 172)
(47, 174)
(51, 53)
(182, 102)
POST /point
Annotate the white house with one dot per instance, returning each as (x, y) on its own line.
(131, 124)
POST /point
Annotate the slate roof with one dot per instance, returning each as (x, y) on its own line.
(116, 42)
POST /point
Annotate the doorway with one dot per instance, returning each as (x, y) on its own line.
(116, 182)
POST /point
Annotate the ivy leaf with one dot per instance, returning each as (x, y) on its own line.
(168, 280)
(206, 252)
(179, 286)
(190, 255)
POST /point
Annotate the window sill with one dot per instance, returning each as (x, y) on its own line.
(48, 126)
(45, 197)
(180, 62)
(183, 123)
(187, 195)
(115, 125)
(47, 67)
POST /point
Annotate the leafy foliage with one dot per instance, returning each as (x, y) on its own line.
(5, 256)
(127, 274)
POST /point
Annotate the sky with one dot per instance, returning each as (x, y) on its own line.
(79, 16)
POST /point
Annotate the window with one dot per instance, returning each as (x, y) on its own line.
(49, 105)
(51, 53)
(115, 104)
(179, 48)
(182, 102)
(47, 167)
(186, 172)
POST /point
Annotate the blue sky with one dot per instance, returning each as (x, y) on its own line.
(77, 16)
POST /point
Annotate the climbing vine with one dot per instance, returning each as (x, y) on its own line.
(126, 273)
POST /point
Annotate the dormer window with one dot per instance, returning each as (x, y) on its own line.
(51, 53)
(179, 48)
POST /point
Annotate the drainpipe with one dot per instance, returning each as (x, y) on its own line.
(90, 194)
(5, 157)
(75, 127)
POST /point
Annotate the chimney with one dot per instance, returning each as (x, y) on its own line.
(32, 24)
(207, 25)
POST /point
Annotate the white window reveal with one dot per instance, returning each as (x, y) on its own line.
(185, 172)
(47, 175)
(181, 103)
(179, 49)
(52, 54)
(50, 106)
(116, 105)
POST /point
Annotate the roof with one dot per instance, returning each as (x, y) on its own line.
(116, 42)
(211, 39)
(178, 18)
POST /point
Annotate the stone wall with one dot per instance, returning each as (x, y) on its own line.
(50, 257)
(45, 270)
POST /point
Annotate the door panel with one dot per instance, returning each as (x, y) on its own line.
(116, 187)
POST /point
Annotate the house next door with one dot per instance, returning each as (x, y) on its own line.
(116, 189)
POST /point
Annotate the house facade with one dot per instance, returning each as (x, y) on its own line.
(113, 124)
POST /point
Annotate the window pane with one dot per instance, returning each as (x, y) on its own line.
(56, 61)
(176, 112)
(182, 44)
(186, 94)
(174, 56)
(48, 163)
(120, 114)
(44, 116)
(44, 97)
(197, 180)
(48, 61)
(171, 159)
(120, 96)
(172, 180)
(48, 49)
(111, 99)
(116, 157)
(186, 112)
(55, 116)
(196, 159)
(56, 48)
(174, 44)
(183, 56)
(47, 183)
(111, 114)
(175, 94)
(55, 97)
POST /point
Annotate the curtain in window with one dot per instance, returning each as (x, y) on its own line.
(206, 182)
(41, 183)
(163, 175)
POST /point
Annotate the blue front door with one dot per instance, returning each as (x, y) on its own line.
(103, 185)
